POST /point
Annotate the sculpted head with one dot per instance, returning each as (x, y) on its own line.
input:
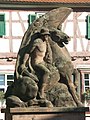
(60, 37)
(44, 33)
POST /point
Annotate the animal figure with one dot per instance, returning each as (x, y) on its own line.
(62, 66)
(62, 61)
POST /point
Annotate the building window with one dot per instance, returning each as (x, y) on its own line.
(10, 79)
(40, 14)
(5, 81)
(2, 80)
(86, 82)
(32, 17)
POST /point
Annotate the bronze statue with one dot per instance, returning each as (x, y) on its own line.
(43, 72)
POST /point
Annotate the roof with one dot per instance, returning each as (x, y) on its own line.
(51, 1)
(42, 4)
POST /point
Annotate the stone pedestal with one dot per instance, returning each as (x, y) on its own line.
(44, 113)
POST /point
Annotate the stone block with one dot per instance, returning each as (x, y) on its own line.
(44, 113)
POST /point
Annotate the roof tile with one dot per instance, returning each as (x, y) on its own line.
(60, 1)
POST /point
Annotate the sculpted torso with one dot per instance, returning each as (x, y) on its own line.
(39, 51)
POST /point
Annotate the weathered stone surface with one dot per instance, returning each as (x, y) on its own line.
(60, 96)
(55, 113)
(59, 90)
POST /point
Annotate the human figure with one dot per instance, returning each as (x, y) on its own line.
(41, 55)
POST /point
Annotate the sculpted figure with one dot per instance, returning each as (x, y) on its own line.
(62, 61)
(43, 71)
(39, 56)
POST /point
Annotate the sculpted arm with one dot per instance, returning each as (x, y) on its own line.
(25, 71)
(35, 45)
(27, 55)
(23, 65)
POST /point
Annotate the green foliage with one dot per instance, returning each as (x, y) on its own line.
(1, 95)
(87, 94)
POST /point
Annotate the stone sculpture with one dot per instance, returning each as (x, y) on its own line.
(43, 71)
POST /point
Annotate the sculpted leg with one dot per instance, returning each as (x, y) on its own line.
(43, 73)
(43, 85)
(73, 93)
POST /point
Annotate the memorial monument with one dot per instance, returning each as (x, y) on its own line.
(43, 62)
(43, 71)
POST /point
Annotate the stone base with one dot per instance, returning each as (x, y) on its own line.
(44, 113)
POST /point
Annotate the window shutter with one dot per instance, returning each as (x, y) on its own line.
(88, 27)
(2, 25)
(31, 18)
